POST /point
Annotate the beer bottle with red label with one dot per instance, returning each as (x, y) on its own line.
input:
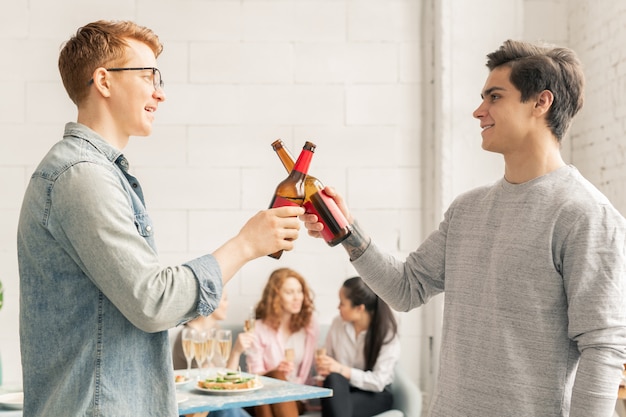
(336, 227)
(291, 191)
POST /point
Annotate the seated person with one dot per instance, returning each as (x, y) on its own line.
(362, 348)
(284, 323)
(204, 323)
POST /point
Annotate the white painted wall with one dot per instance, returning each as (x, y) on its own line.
(238, 75)
(599, 134)
(384, 87)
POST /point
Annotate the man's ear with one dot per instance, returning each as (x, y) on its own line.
(544, 102)
(101, 81)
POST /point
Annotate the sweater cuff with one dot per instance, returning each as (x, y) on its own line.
(357, 243)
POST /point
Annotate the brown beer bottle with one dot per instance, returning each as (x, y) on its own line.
(336, 227)
(291, 190)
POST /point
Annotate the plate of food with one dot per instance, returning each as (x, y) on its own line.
(230, 383)
(13, 400)
(180, 379)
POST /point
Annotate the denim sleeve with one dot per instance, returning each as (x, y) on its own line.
(93, 215)
(209, 275)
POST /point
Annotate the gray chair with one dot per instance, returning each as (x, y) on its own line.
(407, 397)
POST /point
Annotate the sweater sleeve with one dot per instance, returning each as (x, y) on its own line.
(408, 284)
(593, 265)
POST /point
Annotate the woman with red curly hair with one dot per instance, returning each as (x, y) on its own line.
(285, 322)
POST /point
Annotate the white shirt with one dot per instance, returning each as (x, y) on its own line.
(343, 345)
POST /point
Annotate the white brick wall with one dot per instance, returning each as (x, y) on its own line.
(348, 75)
(598, 135)
(238, 75)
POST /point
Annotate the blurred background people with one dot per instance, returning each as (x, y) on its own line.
(362, 349)
(286, 334)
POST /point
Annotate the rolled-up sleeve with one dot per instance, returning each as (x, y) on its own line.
(209, 275)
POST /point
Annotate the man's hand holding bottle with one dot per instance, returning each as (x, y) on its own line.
(311, 221)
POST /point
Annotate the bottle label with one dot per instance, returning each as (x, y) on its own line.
(303, 162)
(328, 213)
(279, 201)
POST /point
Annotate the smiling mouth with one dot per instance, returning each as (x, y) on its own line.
(150, 109)
(486, 127)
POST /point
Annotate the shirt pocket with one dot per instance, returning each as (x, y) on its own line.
(144, 224)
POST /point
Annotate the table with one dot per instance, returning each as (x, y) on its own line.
(273, 391)
(195, 401)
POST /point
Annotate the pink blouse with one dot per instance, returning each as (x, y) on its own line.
(269, 350)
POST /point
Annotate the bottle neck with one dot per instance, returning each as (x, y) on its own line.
(304, 160)
(285, 156)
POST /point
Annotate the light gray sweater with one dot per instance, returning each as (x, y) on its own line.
(534, 276)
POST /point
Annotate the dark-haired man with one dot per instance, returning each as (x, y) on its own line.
(533, 266)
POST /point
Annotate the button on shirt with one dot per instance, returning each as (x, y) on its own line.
(95, 302)
(343, 345)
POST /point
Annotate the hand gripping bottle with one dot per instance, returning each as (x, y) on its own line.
(290, 191)
(336, 227)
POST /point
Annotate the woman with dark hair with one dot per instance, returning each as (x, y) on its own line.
(362, 348)
(285, 336)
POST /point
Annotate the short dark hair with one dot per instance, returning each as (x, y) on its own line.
(539, 67)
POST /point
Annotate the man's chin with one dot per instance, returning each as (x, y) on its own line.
(146, 131)
(487, 146)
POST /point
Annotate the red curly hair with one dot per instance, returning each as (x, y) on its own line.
(269, 309)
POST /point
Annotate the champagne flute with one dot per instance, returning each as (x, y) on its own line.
(250, 322)
(319, 352)
(290, 356)
(187, 341)
(210, 345)
(248, 327)
(224, 344)
(200, 349)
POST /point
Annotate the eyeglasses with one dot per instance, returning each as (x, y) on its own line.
(157, 81)
(156, 74)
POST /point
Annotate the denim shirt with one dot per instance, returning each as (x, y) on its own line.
(95, 302)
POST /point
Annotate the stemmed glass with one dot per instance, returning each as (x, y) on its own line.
(224, 344)
(200, 349)
(210, 345)
(188, 337)
(248, 325)
(290, 356)
(319, 352)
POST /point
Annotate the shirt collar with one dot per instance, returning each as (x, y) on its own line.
(83, 132)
